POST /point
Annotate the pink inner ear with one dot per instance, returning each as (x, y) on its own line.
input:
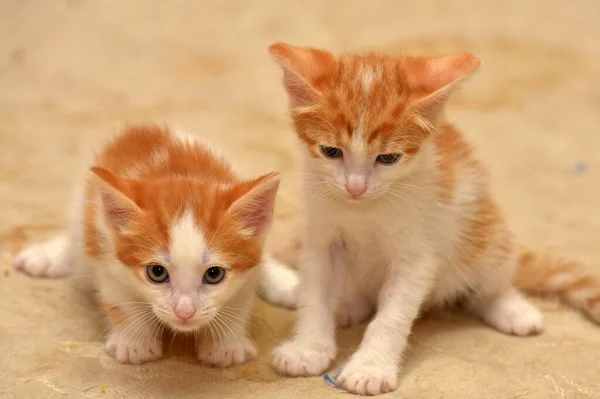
(117, 206)
(432, 81)
(118, 210)
(255, 209)
(427, 76)
(302, 67)
(300, 92)
(255, 216)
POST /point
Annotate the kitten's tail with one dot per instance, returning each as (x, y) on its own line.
(542, 274)
(278, 283)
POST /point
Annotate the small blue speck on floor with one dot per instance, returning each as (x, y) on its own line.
(581, 167)
(330, 380)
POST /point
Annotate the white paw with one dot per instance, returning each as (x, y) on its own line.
(365, 378)
(130, 351)
(512, 314)
(279, 283)
(44, 260)
(224, 354)
(522, 322)
(300, 360)
(351, 313)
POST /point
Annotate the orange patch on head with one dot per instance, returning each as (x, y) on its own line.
(139, 209)
(240, 231)
(392, 102)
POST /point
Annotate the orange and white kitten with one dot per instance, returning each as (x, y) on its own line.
(400, 216)
(171, 237)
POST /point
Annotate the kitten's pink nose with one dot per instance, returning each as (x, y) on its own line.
(356, 188)
(185, 314)
(185, 309)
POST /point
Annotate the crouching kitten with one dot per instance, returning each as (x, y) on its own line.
(172, 238)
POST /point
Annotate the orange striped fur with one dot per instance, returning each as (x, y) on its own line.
(544, 274)
(171, 237)
(164, 175)
(330, 104)
(400, 215)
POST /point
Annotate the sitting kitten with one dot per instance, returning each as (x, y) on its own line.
(400, 217)
(173, 238)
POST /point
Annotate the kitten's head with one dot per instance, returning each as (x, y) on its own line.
(187, 246)
(365, 118)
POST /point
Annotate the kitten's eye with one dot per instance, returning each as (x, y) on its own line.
(214, 275)
(331, 152)
(157, 273)
(388, 159)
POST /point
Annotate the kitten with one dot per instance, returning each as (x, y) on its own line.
(172, 237)
(400, 216)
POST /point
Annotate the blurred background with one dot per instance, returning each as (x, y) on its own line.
(73, 72)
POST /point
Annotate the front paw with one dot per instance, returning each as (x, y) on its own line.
(130, 351)
(298, 359)
(43, 260)
(228, 353)
(368, 378)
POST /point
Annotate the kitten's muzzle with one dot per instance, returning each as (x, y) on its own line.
(185, 308)
(356, 189)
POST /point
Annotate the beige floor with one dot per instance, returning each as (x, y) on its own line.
(71, 72)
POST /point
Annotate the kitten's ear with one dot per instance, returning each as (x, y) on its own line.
(302, 67)
(116, 193)
(254, 209)
(432, 80)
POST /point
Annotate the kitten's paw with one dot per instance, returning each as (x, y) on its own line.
(44, 260)
(521, 321)
(279, 283)
(352, 313)
(367, 379)
(300, 360)
(129, 351)
(235, 351)
(512, 314)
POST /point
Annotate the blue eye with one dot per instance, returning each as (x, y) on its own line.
(214, 275)
(331, 152)
(388, 159)
(157, 273)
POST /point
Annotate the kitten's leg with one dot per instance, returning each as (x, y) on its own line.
(313, 347)
(47, 259)
(373, 368)
(226, 341)
(278, 283)
(135, 337)
(509, 313)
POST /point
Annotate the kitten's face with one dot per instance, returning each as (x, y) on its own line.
(188, 273)
(357, 151)
(187, 251)
(365, 119)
